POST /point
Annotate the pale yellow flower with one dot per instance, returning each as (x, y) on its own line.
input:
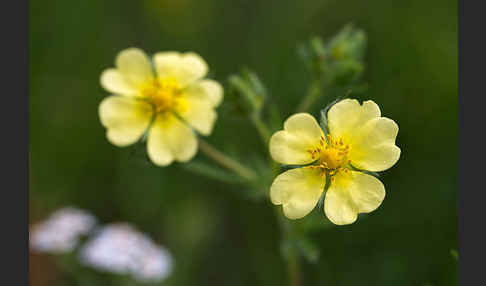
(168, 99)
(358, 137)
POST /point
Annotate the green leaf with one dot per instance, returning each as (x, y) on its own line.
(313, 53)
(247, 91)
(340, 60)
(255, 83)
(323, 122)
(348, 43)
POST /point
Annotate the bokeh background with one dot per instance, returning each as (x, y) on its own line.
(216, 237)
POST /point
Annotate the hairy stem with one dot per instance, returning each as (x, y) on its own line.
(226, 161)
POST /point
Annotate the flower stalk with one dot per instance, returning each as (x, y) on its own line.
(313, 93)
(261, 128)
(226, 161)
(289, 252)
(293, 269)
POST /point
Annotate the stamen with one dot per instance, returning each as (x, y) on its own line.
(164, 94)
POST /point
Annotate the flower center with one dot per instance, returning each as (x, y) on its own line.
(333, 156)
(164, 94)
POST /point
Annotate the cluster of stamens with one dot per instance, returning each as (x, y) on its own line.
(163, 94)
(316, 151)
(331, 156)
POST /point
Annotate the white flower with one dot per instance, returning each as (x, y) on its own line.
(155, 266)
(119, 248)
(61, 231)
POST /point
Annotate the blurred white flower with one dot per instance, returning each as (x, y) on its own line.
(119, 248)
(61, 231)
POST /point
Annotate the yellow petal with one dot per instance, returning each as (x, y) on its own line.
(198, 112)
(126, 119)
(185, 68)
(368, 192)
(348, 115)
(352, 193)
(113, 81)
(373, 145)
(170, 139)
(298, 191)
(371, 137)
(206, 89)
(291, 146)
(135, 67)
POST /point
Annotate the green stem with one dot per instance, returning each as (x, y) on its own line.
(226, 161)
(265, 136)
(292, 258)
(313, 94)
(261, 128)
(293, 269)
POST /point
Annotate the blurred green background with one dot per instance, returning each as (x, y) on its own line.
(216, 237)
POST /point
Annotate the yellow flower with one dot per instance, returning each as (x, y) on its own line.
(169, 100)
(358, 137)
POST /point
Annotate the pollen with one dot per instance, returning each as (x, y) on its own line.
(164, 94)
(334, 156)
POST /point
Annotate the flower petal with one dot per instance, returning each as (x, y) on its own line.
(170, 139)
(113, 81)
(373, 146)
(198, 112)
(206, 89)
(348, 115)
(298, 191)
(291, 146)
(352, 193)
(126, 119)
(368, 192)
(371, 137)
(134, 65)
(185, 68)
